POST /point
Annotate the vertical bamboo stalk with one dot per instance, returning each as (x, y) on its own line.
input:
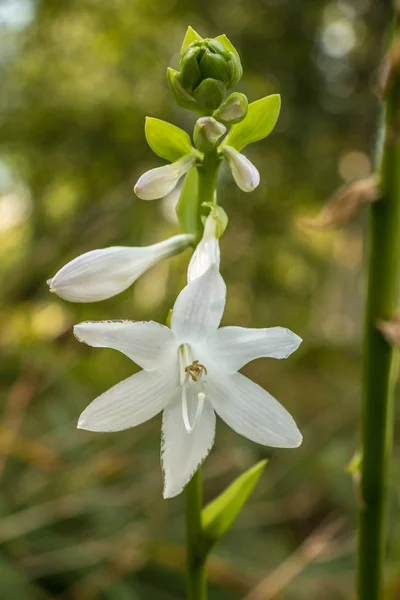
(379, 358)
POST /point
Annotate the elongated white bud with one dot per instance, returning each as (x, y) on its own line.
(244, 172)
(207, 250)
(101, 274)
(159, 182)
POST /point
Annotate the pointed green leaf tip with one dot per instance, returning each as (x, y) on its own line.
(227, 44)
(219, 515)
(190, 36)
(258, 123)
(167, 140)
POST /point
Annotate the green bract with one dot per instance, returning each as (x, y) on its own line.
(190, 36)
(180, 94)
(259, 122)
(187, 208)
(167, 140)
(219, 515)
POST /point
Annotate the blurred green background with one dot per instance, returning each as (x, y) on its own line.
(81, 514)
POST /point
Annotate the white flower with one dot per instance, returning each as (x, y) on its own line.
(101, 274)
(244, 172)
(207, 250)
(159, 182)
(190, 373)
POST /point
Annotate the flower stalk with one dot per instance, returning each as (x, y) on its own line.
(380, 359)
(195, 556)
(189, 368)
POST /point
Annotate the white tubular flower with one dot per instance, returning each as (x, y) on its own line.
(159, 182)
(207, 251)
(190, 373)
(101, 274)
(244, 172)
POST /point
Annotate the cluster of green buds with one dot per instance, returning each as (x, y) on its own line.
(208, 69)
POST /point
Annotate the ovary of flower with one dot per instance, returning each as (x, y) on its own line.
(159, 182)
(244, 172)
(189, 372)
(101, 274)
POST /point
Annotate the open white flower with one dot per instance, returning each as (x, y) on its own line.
(244, 172)
(101, 274)
(190, 373)
(159, 182)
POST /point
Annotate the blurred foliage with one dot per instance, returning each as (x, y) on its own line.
(81, 514)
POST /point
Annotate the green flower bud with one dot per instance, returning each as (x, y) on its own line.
(207, 132)
(190, 71)
(213, 60)
(233, 110)
(208, 67)
(209, 94)
(182, 97)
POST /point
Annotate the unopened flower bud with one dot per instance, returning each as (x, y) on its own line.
(207, 251)
(208, 67)
(233, 110)
(101, 274)
(159, 182)
(209, 95)
(244, 172)
(207, 132)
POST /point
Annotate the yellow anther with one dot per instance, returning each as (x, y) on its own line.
(195, 370)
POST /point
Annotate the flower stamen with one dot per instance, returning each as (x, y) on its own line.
(195, 370)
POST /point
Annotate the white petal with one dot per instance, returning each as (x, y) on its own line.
(244, 172)
(234, 347)
(206, 254)
(159, 182)
(251, 411)
(199, 307)
(146, 343)
(101, 274)
(182, 452)
(132, 401)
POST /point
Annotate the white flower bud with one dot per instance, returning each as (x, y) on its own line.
(207, 132)
(159, 182)
(101, 274)
(207, 250)
(244, 172)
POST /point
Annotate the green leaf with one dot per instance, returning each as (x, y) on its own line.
(190, 36)
(258, 123)
(188, 206)
(218, 516)
(167, 140)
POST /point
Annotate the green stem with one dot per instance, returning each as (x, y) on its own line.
(208, 175)
(379, 359)
(196, 556)
(196, 560)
